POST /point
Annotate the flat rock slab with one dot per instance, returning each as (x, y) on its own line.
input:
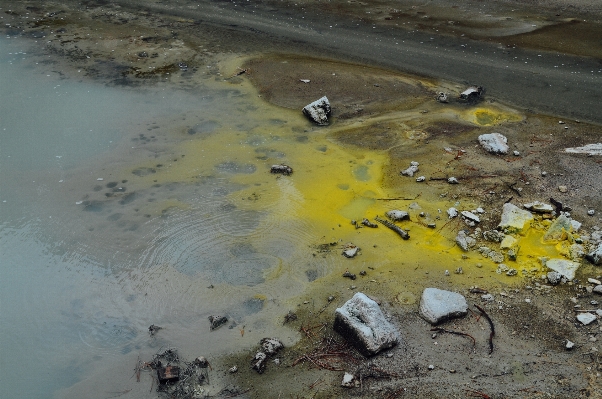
(361, 321)
(438, 305)
(565, 267)
(586, 318)
(514, 219)
(494, 143)
(318, 111)
(558, 229)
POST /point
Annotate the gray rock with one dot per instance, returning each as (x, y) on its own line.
(596, 255)
(586, 318)
(514, 219)
(271, 345)
(361, 321)
(397, 215)
(539, 207)
(496, 256)
(598, 289)
(471, 216)
(493, 235)
(464, 241)
(438, 305)
(452, 212)
(554, 277)
(494, 143)
(453, 180)
(411, 170)
(318, 111)
(349, 380)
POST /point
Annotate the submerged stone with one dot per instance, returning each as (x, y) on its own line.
(361, 321)
(514, 219)
(438, 305)
(566, 268)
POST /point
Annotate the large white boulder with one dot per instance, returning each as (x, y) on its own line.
(565, 267)
(494, 143)
(514, 219)
(361, 321)
(438, 305)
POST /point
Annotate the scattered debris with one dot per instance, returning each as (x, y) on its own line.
(367, 223)
(269, 346)
(438, 305)
(361, 321)
(349, 275)
(318, 111)
(282, 169)
(217, 321)
(494, 143)
(403, 234)
(411, 170)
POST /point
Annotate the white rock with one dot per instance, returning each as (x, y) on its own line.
(494, 143)
(464, 241)
(420, 179)
(599, 312)
(590, 149)
(318, 111)
(348, 380)
(569, 344)
(516, 153)
(361, 321)
(575, 225)
(452, 212)
(233, 369)
(597, 289)
(554, 277)
(453, 180)
(539, 207)
(439, 305)
(480, 210)
(586, 318)
(471, 216)
(565, 267)
(305, 80)
(593, 281)
(411, 170)
(508, 242)
(514, 219)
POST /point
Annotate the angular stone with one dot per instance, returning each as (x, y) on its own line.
(554, 277)
(318, 111)
(494, 143)
(539, 207)
(565, 267)
(438, 305)
(493, 235)
(598, 289)
(508, 242)
(558, 229)
(411, 170)
(471, 216)
(397, 215)
(596, 255)
(464, 241)
(514, 219)
(586, 318)
(361, 321)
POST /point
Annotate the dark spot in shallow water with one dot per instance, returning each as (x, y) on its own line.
(92, 206)
(235, 167)
(143, 171)
(311, 275)
(128, 198)
(252, 305)
(114, 217)
(97, 188)
(111, 184)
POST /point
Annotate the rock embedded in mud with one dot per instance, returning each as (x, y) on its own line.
(271, 345)
(259, 362)
(539, 207)
(282, 169)
(318, 111)
(596, 255)
(470, 216)
(494, 143)
(598, 289)
(217, 321)
(565, 267)
(438, 305)
(464, 241)
(514, 219)
(349, 381)
(554, 278)
(361, 321)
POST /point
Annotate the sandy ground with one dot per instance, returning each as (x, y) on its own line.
(533, 321)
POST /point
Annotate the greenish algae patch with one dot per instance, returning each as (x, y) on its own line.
(491, 116)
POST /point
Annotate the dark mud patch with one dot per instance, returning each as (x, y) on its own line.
(447, 128)
(379, 136)
(351, 89)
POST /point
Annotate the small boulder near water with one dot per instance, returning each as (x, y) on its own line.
(494, 143)
(318, 111)
(361, 321)
(438, 305)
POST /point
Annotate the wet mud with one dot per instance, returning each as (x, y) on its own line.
(193, 194)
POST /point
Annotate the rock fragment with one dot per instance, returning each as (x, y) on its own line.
(464, 241)
(514, 219)
(539, 207)
(470, 216)
(361, 321)
(554, 277)
(558, 229)
(598, 289)
(438, 305)
(586, 318)
(348, 380)
(397, 215)
(494, 143)
(318, 111)
(452, 212)
(282, 169)
(596, 255)
(565, 267)
(411, 170)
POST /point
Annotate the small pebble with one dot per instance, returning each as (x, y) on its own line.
(569, 344)
(100, 179)
(516, 153)
(563, 189)
(233, 369)
(431, 367)
(544, 173)
(591, 212)
(420, 179)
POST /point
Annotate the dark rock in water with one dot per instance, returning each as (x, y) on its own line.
(168, 374)
(318, 111)
(361, 321)
(282, 169)
(258, 362)
(271, 345)
(217, 321)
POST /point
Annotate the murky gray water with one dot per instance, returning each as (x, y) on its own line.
(86, 265)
